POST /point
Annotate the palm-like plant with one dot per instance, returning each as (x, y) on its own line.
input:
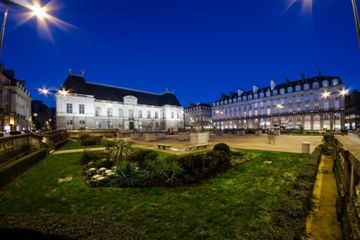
(119, 150)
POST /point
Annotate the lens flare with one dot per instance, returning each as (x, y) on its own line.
(306, 5)
(43, 16)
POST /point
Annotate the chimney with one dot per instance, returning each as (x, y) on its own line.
(272, 84)
(255, 88)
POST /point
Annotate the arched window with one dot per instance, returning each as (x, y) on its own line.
(140, 114)
(275, 92)
(148, 114)
(244, 98)
(97, 111)
(298, 88)
(282, 91)
(315, 85)
(306, 86)
(156, 115)
(290, 89)
(325, 83)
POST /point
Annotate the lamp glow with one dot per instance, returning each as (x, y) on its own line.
(325, 94)
(63, 92)
(344, 92)
(44, 91)
(38, 11)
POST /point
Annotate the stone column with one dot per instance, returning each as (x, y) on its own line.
(321, 121)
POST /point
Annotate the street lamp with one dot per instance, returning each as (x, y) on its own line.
(36, 10)
(326, 94)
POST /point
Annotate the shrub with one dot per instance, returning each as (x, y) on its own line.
(87, 140)
(125, 169)
(222, 147)
(141, 156)
(164, 168)
(198, 167)
(89, 156)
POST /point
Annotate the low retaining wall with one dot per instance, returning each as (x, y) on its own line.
(347, 173)
(17, 167)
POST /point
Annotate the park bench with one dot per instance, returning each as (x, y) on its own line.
(164, 146)
(198, 146)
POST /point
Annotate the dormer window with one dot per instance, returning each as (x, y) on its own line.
(268, 93)
(315, 85)
(244, 98)
(325, 83)
(290, 89)
(250, 97)
(298, 88)
(335, 81)
(306, 86)
(262, 94)
(275, 92)
(282, 91)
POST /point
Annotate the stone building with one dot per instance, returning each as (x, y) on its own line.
(86, 105)
(352, 110)
(198, 116)
(15, 104)
(315, 103)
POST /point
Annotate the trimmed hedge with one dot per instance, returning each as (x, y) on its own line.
(289, 219)
(17, 167)
(222, 147)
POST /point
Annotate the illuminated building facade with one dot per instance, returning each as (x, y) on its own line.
(312, 104)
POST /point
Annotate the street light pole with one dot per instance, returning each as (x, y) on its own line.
(3, 27)
(357, 20)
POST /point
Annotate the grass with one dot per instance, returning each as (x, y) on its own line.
(75, 144)
(234, 205)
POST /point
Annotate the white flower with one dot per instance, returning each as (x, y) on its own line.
(102, 169)
(91, 170)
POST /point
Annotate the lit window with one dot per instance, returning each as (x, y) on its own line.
(81, 109)
(69, 108)
(148, 115)
(97, 111)
(140, 114)
(156, 115)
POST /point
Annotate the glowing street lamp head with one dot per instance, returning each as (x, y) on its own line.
(38, 11)
(325, 94)
(344, 92)
(63, 92)
(279, 106)
(44, 91)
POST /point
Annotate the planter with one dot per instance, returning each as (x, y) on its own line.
(241, 132)
(184, 136)
(199, 138)
(258, 132)
(150, 137)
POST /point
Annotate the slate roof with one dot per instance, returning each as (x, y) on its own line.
(285, 85)
(77, 84)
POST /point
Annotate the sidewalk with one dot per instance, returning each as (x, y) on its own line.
(77, 150)
(322, 222)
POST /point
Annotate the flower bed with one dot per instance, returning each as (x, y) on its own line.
(150, 168)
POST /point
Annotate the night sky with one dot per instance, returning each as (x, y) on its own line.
(198, 48)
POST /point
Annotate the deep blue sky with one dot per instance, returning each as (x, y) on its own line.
(199, 48)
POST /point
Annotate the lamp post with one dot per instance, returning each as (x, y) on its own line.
(357, 20)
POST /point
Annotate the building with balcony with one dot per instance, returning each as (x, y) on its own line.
(86, 105)
(15, 103)
(316, 103)
(198, 116)
(352, 110)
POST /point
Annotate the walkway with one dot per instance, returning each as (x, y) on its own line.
(77, 150)
(322, 222)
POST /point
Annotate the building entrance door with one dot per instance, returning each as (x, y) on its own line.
(131, 126)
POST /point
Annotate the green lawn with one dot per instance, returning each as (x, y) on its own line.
(234, 205)
(75, 144)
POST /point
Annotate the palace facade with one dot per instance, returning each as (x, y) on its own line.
(315, 103)
(86, 105)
